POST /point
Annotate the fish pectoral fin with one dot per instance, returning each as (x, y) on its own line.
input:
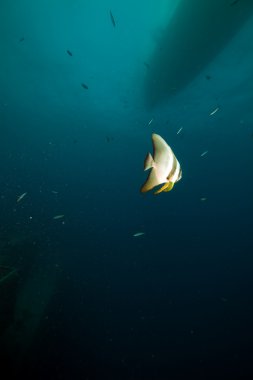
(162, 188)
(149, 162)
(169, 187)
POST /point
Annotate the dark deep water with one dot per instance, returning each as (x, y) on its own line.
(85, 298)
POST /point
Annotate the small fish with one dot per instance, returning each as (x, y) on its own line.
(147, 65)
(137, 234)
(21, 197)
(180, 129)
(203, 199)
(204, 153)
(54, 192)
(214, 111)
(109, 138)
(21, 39)
(208, 77)
(84, 86)
(150, 122)
(112, 19)
(234, 2)
(165, 168)
(69, 53)
(58, 217)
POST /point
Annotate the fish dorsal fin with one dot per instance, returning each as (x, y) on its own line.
(149, 162)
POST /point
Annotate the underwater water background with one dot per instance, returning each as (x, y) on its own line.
(91, 300)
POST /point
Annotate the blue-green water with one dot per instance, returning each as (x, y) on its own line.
(90, 300)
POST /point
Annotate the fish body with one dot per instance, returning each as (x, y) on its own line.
(137, 234)
(214, 111)
(150, 122)
(165, 168)
(58, 217)
(69, 53)
(84, 86)
(21, 197)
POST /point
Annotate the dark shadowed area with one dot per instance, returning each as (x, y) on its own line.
(197, 31)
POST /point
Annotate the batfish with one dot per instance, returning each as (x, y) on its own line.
(165, 168)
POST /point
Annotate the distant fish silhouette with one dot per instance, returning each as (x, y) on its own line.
(234, 2)
(112, 19)
(214, 111)
(69, 53)
(109, 138)
(147, 65)
(21, 197)
(58, 216)
(137, 234)
(21, 39)
(204, 153)
(84, 86)
(150, 122)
